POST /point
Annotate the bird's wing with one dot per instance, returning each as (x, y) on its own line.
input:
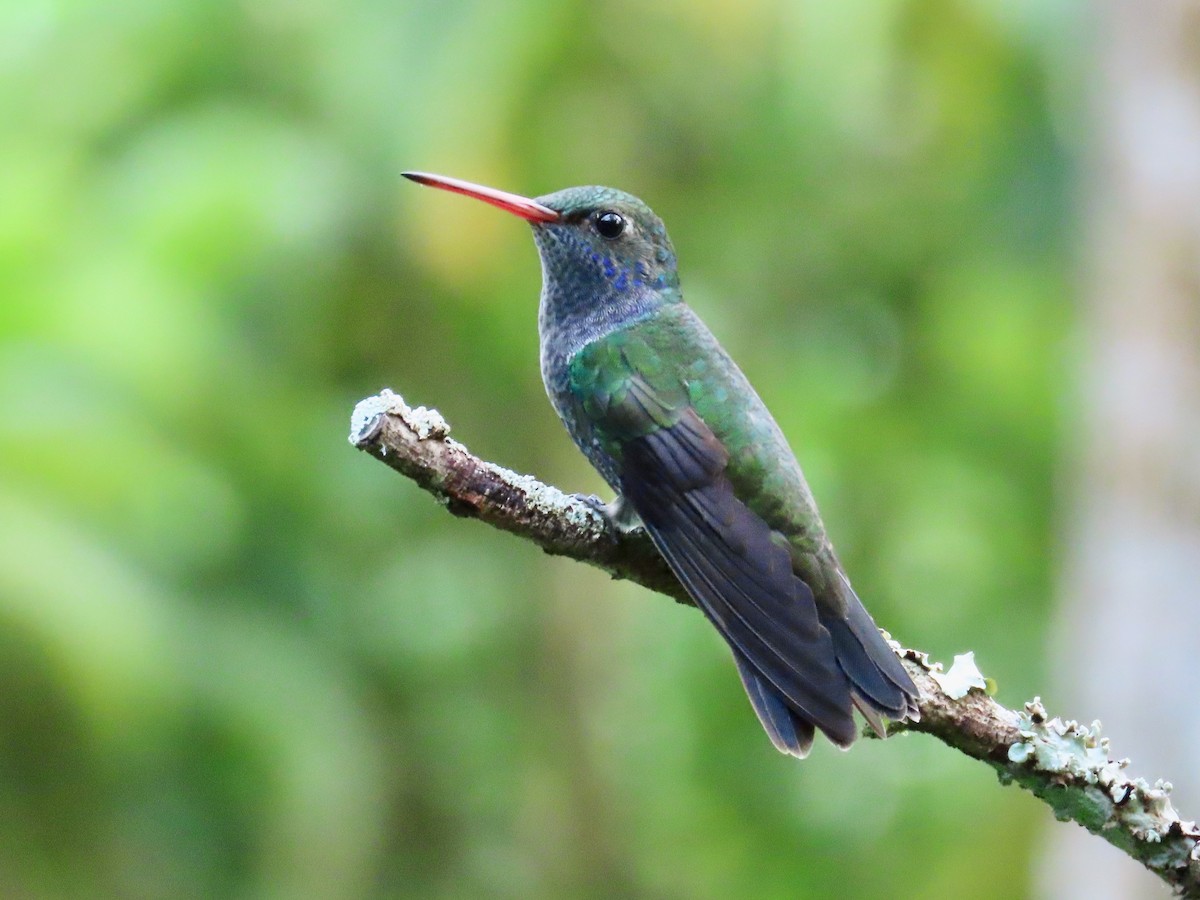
(672, 470)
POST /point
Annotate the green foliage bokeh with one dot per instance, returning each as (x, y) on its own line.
(238, 658)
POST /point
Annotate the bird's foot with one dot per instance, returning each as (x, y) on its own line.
(593, 501)
(619, 514)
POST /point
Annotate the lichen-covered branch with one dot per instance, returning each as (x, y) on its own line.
(1063, 763)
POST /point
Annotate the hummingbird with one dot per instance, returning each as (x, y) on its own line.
(671, 423)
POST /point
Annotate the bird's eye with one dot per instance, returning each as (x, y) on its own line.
(609, 224)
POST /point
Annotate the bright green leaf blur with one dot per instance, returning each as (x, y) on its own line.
(239, 659)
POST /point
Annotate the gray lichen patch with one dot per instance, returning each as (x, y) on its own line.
(368, 414)
(553, 503)
(427, 423)
(1068, 765)
(920, 657)
(963, 677)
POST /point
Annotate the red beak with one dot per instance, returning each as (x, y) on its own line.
(513, 203)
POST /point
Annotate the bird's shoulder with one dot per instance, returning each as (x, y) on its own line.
(628, 381)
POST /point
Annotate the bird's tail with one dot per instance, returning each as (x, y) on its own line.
(881, 686)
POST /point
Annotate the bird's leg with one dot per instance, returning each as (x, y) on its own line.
(623, 515)
(618, 513)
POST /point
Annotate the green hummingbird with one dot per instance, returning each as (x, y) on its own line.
(670, 421)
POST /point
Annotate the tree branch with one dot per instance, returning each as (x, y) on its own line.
(1063, 763)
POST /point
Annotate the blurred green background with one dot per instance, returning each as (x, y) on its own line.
(240, 659)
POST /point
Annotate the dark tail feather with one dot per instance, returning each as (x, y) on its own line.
(788, 732)
(871, 665)
(874, 719)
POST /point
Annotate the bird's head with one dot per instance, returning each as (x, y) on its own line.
(602, 249)
(605, 236)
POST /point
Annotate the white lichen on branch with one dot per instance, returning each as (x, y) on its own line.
(963, 677)
(1069, 766)
(368, 414)
(1063, 763)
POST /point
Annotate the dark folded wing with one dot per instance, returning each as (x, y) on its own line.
(725, 555)
(789, 732)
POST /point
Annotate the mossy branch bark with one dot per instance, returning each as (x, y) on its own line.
(1063, 763)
